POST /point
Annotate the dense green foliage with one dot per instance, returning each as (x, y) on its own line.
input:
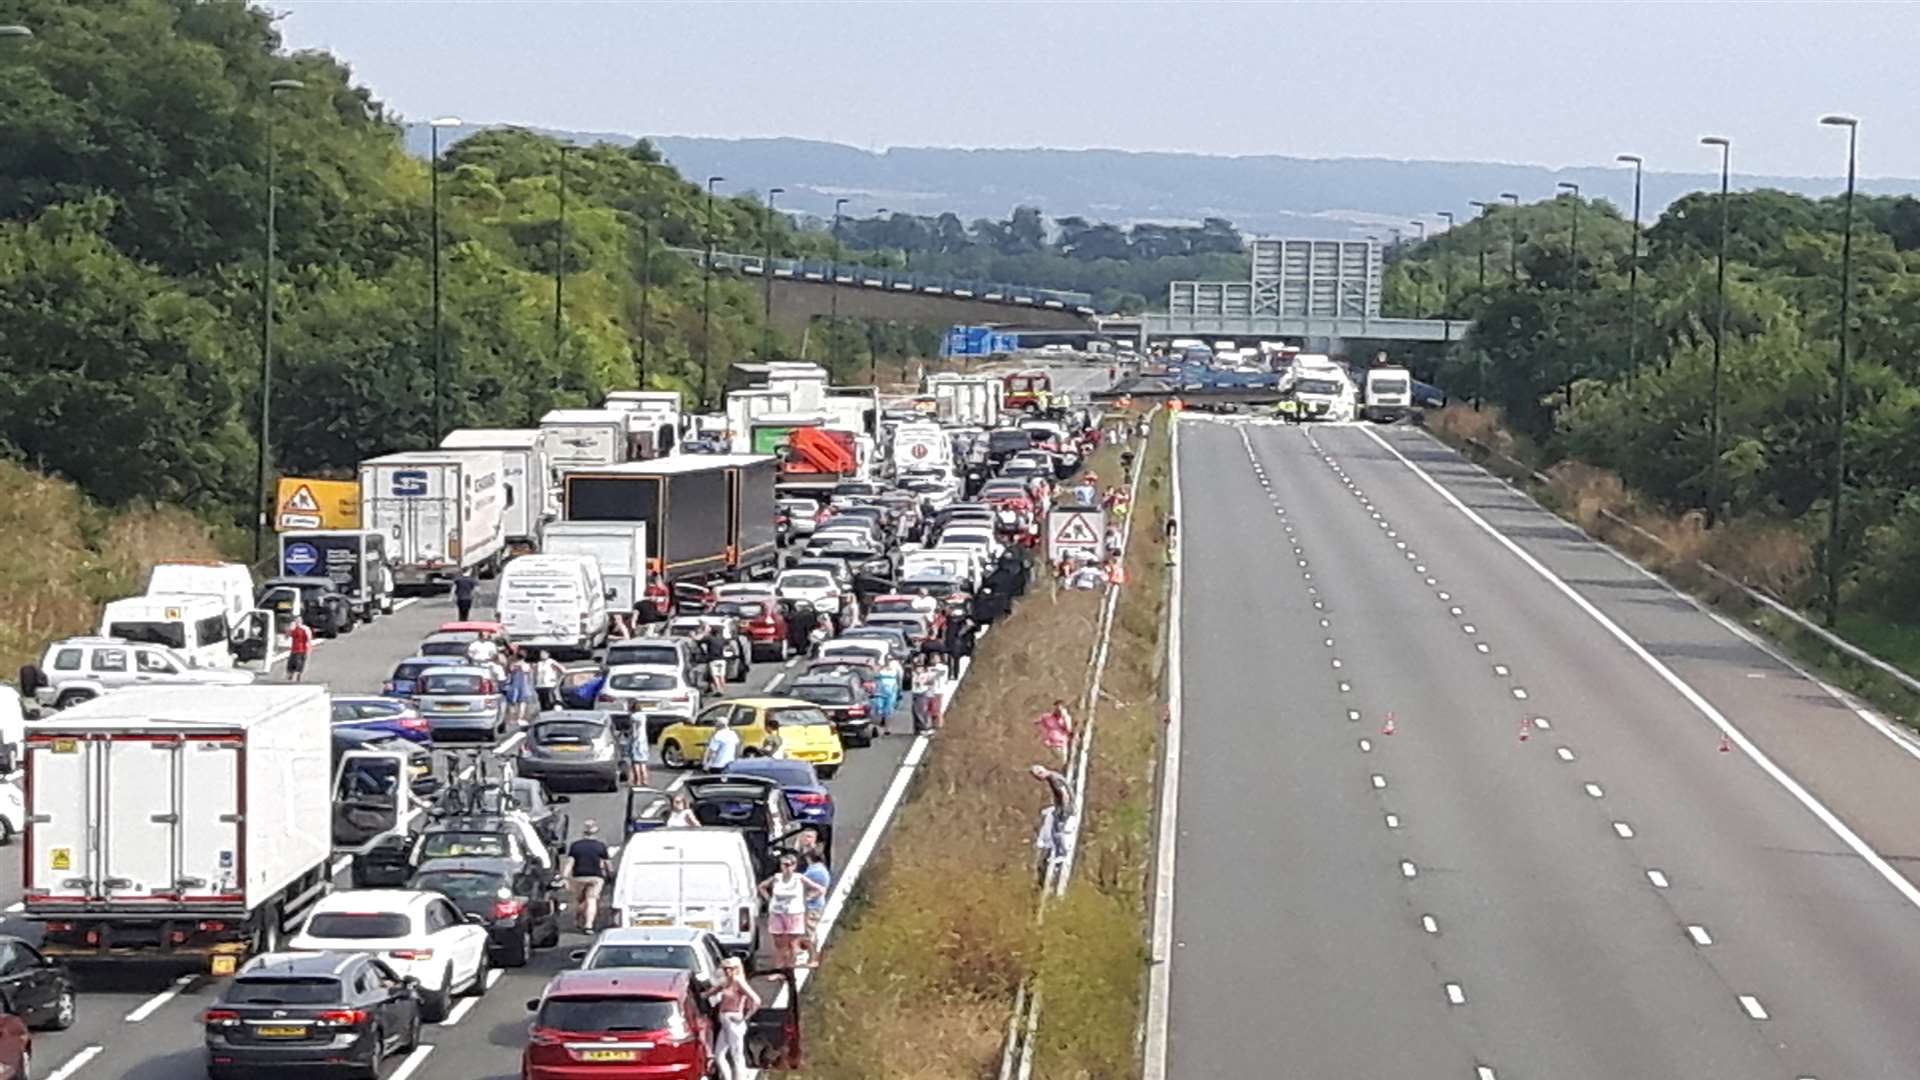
(134, 153)
(1125, 268)
(1556, 349)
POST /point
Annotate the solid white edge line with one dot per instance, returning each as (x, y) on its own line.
(1693, 697)
(154, 1003)
(411, 1064)
(1160, 969)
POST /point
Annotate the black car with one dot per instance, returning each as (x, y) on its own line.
(326, 610)
(291, 1010)
(517, 902)
(472, 836)
(842, 695)
(37, 990)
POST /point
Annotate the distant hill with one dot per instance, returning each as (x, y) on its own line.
(1265, 194)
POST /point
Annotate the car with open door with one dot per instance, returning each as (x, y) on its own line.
(516, 900)
(419, 935)
(378, 807)
(35, 988)
(756, 806)
(809, 802)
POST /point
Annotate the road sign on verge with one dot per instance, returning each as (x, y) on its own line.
(1079, 533)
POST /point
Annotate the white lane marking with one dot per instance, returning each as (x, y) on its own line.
(1483, 1073)
(1379, 781)
(1456, 995)
(1408, 870)
(1467, 628)
(1353, 714)
(1324, 623)
(1482, 646)
(75, 1063)
(1699, 935)
(1693, 697)
(1659, 879)
(1594, 790)
(1753, 1007)
(493, 976)
(1430, 924)
(1366, 746)
(1565, 754)
(1346, 688)
(1501, 669)
(1336, 661)
(1430, 581)
(1401, 544)
(1393, 821)
(1623, 830)
(509, 744)
(1455, 611)
(1329, 643)
(1444, 595)
(412, 1063)
(1520, 692)
(1543, 723)
(459, 1012)
(774, 683)
(153, 1004)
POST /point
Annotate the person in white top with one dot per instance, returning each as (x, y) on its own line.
(680, 816)
(787, 893)
(722, 748)
(481, 651)
(547, 673)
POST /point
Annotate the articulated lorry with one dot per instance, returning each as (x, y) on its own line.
(443, 512)
(526, 455)
(707, 515)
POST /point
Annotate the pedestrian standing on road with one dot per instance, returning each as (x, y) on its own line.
(776, 745)
(299, 644)
(639, 753)
(520, 689)
(1056, 729)
(722, 748)
(818, 872)
(547, 673)
(680, 812)
(585, 869)
(463, 587)
(787, 893)
(715, 650)
(734, 1001)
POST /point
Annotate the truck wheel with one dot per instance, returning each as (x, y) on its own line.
(671, 756)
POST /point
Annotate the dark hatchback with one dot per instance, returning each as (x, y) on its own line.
(516, 901)
(807, 796)
(37, 990)
(843, 696)
(323, 1012)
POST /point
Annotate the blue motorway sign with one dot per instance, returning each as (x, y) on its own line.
(299, 559)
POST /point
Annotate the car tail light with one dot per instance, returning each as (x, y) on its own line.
(508, 909)
(746, 920)
(869, 686)
(220, 1018)
(809, 798)
(542, 1036)
(59, 927)
(603, 699)
(212, 926)
(389, 687)
(413, 723)
(486, 686)
(410, 954)
(680, 695)
(342, 1017)
(857, 711)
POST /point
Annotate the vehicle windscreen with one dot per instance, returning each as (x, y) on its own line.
(565, 733)
(453, 684)
(641, 681)
(171, 634)
(1389, 386)
(409, 672)
(1316, 386)
(463, 884)
(798, 716)
(1002, 442)
(786, 773)
(641, 956)
(806, 581)
(356, 926)
(740, 609)
(283, 991)
(825, 693)
(464, 845)
(659, 653)
(592, 1014)
(444, 648)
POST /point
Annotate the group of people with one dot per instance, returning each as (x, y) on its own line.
(529, 680)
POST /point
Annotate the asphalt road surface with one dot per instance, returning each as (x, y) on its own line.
(1605, 835)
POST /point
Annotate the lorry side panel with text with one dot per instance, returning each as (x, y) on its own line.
(443, 511)
(688, 504)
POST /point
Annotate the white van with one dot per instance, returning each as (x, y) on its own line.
(700, 877)
(1389, 394)
(554, 602)
(192, 624)
(228, 582)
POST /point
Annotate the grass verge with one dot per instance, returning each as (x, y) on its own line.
(62, 557)
(1772, 557)
(939, 933)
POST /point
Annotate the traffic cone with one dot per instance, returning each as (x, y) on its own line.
(1387, 728)
(1726, 746)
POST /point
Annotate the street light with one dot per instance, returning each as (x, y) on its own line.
(1719, 332)
(560, 265)
(1573, 261)
(1513, 239)
(439, 347)
(1420, 291)
(1840, 411)
(1633, 272)
(646, 283)
(15, 31)
(833, 288)
(262, 497)
(1446, 286)
(706, 299)
(766, 272)
(1483, 208)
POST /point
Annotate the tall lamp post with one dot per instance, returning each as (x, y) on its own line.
(1446, 286)
(766, 272)
(706, 299)
(439, 346)
(262, 497)
(1483, 207)
(1573, 249)
(1420, 293)
(1719, 332)
(1513, 239)
(646, 283)
(560, 265)
(1633, 273)
(1840, 411)
(833, 286)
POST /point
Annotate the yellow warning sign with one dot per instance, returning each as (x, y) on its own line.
(1080, 533)
(62, 858)
(317, 504)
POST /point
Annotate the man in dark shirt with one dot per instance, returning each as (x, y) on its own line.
(463, 587)
(585, 868)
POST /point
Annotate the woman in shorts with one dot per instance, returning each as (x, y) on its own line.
(787, 893)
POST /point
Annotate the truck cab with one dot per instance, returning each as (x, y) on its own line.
(1389, 394)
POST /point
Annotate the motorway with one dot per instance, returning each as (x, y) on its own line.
(1606, 835)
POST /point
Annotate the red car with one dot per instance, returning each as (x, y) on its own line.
(762, 621)
(16, 1046)
(635, 1023)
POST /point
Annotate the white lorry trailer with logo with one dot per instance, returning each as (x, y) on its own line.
(533, 490)
(443, 512)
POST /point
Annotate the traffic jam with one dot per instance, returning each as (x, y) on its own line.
(576, 736)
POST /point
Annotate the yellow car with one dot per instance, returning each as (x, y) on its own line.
(806, 733)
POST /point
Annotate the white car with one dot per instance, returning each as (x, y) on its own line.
(682, 948)
(13, 811)
(971, 536)
(816, 587)
(420, 935)
(744, 591)
(658, 688)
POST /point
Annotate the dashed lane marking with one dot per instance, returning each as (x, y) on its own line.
(75, 1063)
(1753, 1007)
(1658, 878)
(156, 1002)
(1699, 935)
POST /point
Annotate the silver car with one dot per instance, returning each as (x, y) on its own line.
(572, 746)
(460, 702)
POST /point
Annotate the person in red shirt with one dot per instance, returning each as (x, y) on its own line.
(299, 644)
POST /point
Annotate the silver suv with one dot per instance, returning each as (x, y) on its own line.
(81, 669)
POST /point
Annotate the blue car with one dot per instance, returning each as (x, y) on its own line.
(384, 717)
(807, 796)
(405, 680)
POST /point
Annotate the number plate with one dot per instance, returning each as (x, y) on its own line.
(609, 1055)
(281, 1032)
(653, 922)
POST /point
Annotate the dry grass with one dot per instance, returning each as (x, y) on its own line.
(61, 558)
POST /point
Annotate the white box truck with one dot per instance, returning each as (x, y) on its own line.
(533, 489)
(620, 547)
(967, 400)
(178, 822)
(652, 415)
(443, 512)
(586, 438)
(746, 406)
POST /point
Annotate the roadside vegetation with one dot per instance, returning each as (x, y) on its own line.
(940, 931)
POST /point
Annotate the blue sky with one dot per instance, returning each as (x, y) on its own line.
(1538, 82)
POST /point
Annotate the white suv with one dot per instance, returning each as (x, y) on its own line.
(83, 668)
(420, 935)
